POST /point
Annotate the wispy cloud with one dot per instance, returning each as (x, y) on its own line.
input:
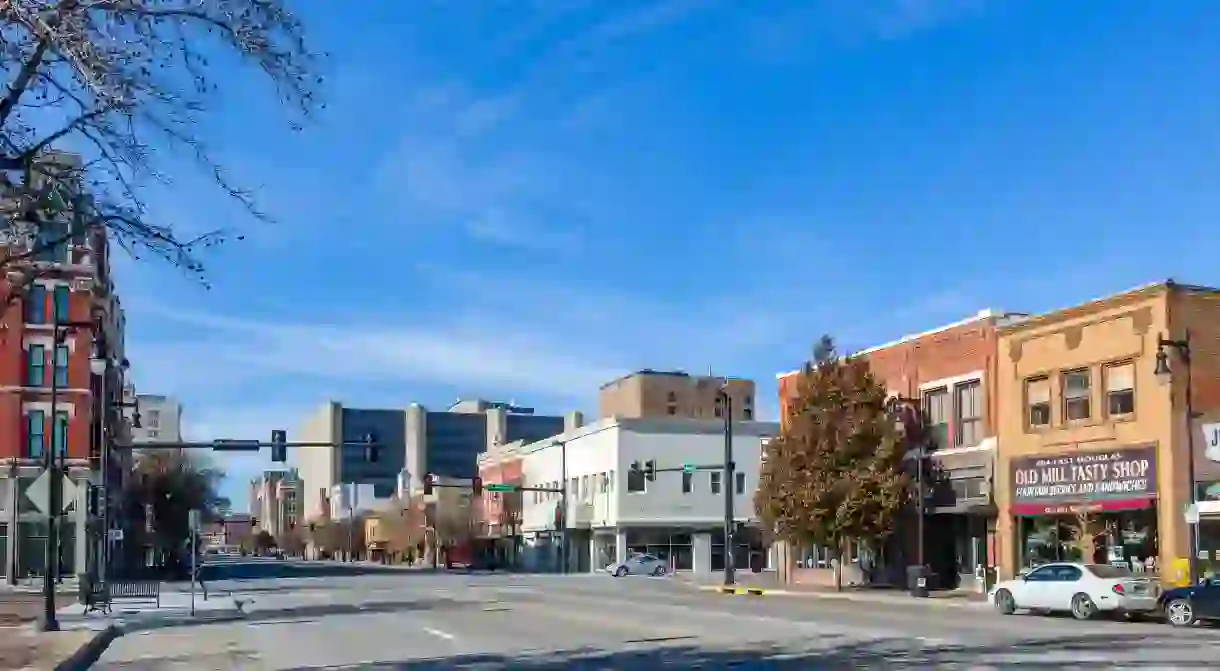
(632, 23)
(461, 166)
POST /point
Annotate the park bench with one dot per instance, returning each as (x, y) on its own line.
(97, 596)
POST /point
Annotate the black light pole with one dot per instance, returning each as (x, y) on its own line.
(897, 407)
(730, 470)
(49, 466)
(1163, 371)
(563, 506)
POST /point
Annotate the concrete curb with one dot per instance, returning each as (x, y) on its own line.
(90, 652)
(835, 596)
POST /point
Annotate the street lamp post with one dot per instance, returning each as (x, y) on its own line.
(562, 526)
(898, 407)
(1163, 371)
(730, 470)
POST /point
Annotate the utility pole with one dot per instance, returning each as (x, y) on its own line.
(730, 470)
(563, 503)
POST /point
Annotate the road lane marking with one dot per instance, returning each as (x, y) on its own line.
(440, 634)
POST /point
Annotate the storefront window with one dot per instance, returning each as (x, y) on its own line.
(1127, 538)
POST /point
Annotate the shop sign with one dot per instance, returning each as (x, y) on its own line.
(1111, 480)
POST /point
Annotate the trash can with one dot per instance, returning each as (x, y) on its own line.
(917, 580)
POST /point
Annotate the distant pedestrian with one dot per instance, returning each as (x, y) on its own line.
(198, 577)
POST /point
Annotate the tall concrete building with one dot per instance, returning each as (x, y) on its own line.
(415, 440)
(654, 393)
(275, 501)
(160, 419)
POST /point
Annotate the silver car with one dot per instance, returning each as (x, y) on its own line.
(639, 564)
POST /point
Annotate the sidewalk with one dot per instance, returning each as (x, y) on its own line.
(175, 609)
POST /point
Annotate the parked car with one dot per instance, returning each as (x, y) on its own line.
(1184, 606)
(1084, 590)
(639, 564)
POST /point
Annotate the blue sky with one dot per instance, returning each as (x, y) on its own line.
(520, 199)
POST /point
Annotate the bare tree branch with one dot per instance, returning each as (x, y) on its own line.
(122, 83)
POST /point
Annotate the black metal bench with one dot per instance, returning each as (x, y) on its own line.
(97, 596)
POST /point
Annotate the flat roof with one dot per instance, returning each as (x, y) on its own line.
(987, 313)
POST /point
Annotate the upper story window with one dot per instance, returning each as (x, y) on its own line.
(36, 305)
(1077, 390)
(1038, 401)
(36, 366)
(62, 303)
(61, 365)
(1120, 389)
(936, 415)
(35, 434)
(969, 407)
(636, 482)
(740, 482)
(715, 482)
(688, 483)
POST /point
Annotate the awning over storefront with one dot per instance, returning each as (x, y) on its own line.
(1104, 505)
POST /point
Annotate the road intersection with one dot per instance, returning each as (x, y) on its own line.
(395, 619)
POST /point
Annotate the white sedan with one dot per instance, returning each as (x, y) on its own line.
(1084, 590)
(639, 564)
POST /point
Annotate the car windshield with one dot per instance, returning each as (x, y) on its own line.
(1107, 571)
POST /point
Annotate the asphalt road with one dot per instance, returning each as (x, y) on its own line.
(412, 620)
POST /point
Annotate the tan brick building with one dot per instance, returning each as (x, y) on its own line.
(1087, 428)
(652, 393)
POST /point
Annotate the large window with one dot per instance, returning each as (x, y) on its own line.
(1038, 402)
(36, 366)
(36, 305)
(1076, 393)
(636, 482)
(35, 434)
(969, 407)
(688, 483)
(61, 305)
(714, 481)
(61, 433)
(936, 411)
(61, 365)
(1120, 389)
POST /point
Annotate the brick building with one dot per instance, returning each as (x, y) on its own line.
(71, 283)
(949, 374)
(654, 393)
(1092, 424)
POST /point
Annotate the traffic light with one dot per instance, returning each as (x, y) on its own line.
(428, 485)
(253, 522)
(313, 527)
(279, 448)
(650, 470)
(636, 468)
(371, 448)
(476, 486)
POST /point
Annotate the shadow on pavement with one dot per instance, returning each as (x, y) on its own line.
(1087, 652)
(276, 570)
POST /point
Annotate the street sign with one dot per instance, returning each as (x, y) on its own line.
(115, 535)
(192, 519)
(39, 493)
(1211, 441)
(497, 487)
(230, 445)
(688, 468)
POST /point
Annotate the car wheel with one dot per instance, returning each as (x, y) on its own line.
(660, 570)
(1083, 607)
(1180, 613)
(620, 571)
(1004, 602)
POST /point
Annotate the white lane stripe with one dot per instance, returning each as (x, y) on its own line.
(440, 634)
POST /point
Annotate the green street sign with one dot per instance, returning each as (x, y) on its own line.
(688, 468)
(500, 488)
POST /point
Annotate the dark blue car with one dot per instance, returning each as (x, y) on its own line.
(1183, 606)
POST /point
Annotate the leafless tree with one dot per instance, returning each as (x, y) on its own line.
(123, 85)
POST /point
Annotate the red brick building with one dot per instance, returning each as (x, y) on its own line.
(949, 372)
(498, 514)
(71, 284)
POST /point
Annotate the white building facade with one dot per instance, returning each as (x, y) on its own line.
(611, 513)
